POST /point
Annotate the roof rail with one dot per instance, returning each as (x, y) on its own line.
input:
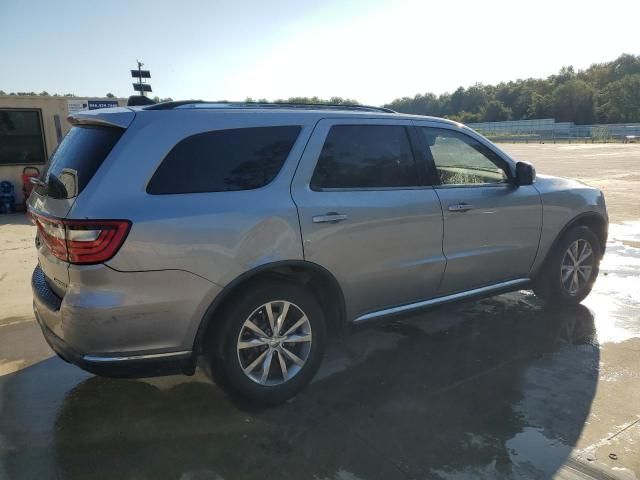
(171, 105)
(308, 106)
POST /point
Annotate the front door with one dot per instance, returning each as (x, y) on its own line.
(367, 215)
(491, 226)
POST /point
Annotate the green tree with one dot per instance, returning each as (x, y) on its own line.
(620, 101)
(466, 117)
(596, 93)
(495, 111)
(572, 101)
(342, 101)
(110, 95)
(540, 106)
(565, 74)
(315, 100)
(472, 99)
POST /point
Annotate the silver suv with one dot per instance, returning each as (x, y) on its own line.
(248, 234)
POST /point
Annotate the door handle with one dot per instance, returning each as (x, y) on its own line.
(331, 217)
(460, 207)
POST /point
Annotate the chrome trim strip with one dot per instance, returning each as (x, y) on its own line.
(439, 300)
(98, 359)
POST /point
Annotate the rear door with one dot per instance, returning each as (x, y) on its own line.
(367, 214)
(491, 226)
(68, 171)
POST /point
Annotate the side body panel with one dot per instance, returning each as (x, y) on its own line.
(216, 235)
(182, 249)
(497, 238)
(388, 250)
(495, 241)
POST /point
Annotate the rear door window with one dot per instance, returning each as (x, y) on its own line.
(77, 159)
(224, 160)
(365, 156)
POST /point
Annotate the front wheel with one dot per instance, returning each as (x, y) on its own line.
(271, 342)
(570, 271)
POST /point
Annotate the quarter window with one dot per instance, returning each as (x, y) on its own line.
(224, 160)
(365, 156)
(461, 160)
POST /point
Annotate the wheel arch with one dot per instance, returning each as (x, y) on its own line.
(321, 283)
(594, 220)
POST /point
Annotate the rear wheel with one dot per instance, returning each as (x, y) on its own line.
(270, 342)
(571, 269)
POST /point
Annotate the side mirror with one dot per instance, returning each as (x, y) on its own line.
(525, 173)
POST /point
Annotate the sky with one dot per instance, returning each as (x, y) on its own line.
(372, 50)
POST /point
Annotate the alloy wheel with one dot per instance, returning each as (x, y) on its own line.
(577, 266)
(274, 343)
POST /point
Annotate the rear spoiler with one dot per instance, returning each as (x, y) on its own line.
(108, 117)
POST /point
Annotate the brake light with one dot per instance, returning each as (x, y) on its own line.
(82, 242)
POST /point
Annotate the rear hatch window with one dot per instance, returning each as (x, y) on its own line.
(77, 159)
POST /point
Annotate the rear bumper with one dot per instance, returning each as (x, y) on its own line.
(120, 367)
(47, 303)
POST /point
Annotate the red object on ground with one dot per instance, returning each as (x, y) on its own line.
(27, 174)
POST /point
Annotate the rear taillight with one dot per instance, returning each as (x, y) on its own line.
(82, 241)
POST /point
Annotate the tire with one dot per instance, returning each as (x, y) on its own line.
(235, 347)
(549, 284)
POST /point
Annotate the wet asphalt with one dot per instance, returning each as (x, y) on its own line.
(502, 387)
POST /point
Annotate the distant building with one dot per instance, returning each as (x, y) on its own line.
(31, 127)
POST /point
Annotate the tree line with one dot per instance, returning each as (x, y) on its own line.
(602, 93)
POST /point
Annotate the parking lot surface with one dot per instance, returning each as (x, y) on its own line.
(502, 387)
(612, 167)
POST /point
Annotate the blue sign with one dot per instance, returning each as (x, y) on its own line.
(96, 104)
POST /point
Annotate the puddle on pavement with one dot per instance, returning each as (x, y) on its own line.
(615, 299)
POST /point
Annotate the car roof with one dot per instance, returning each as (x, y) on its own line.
(122, 116)
(341, 110)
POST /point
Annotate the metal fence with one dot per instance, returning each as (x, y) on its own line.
(548, 130)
